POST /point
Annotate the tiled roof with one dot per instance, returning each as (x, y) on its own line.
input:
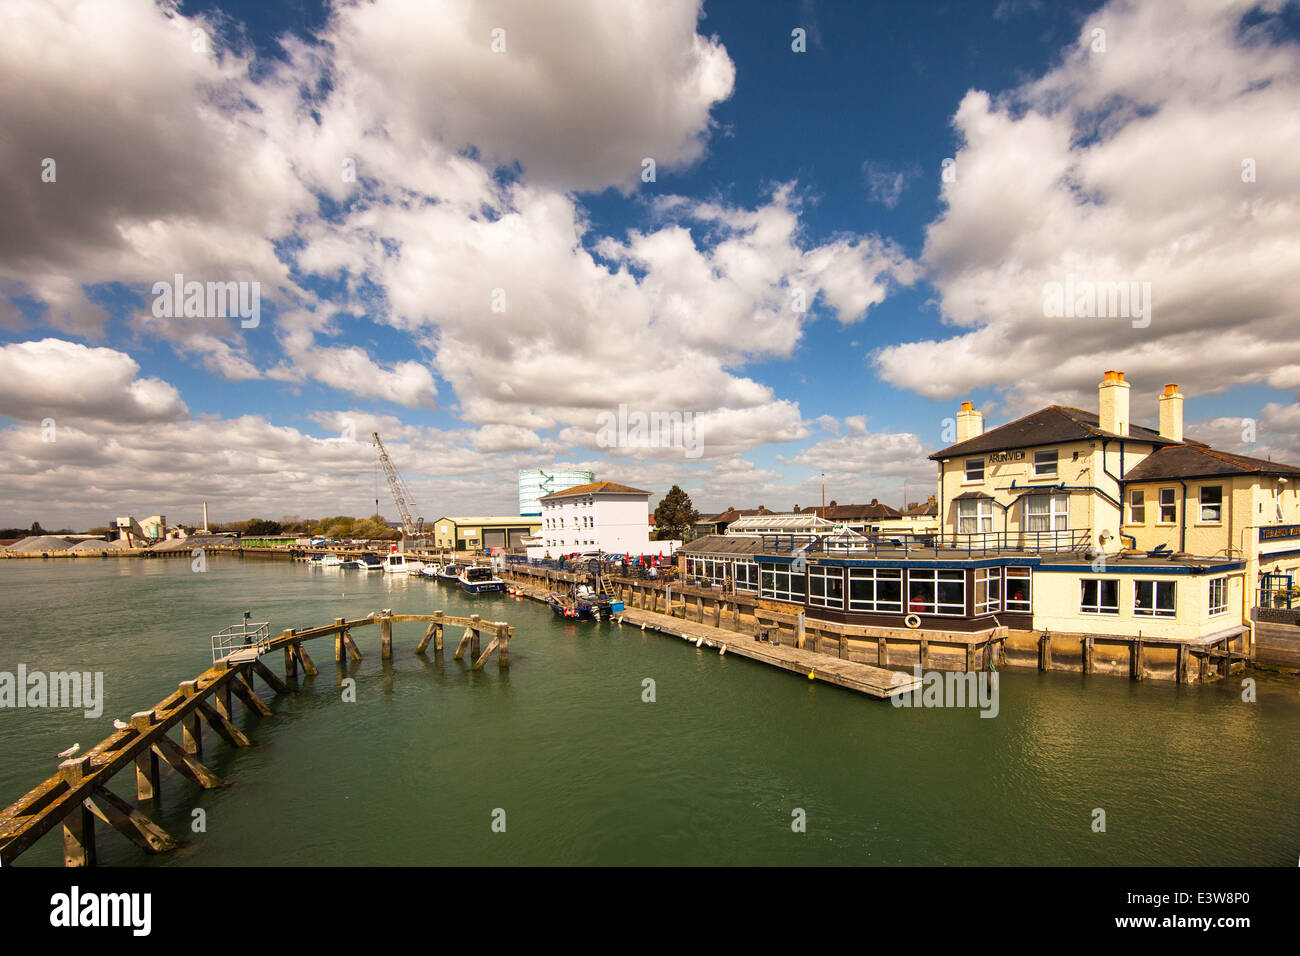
(1049, 426)
(853, 512)
(595, 488)
(1201, 461)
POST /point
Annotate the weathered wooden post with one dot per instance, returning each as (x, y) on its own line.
(799, 631)
(435, 627)
(474, 638)
(882, 651)
(503, 645)
(386, 638)
(338, 641)
(290, 662)
(191, 725)
(1087, 655)
(147, 780)
(79, 825)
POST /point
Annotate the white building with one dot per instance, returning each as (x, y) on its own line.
(603, 516)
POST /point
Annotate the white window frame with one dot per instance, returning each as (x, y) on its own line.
(1026, 604)
(783, 584)
(982, 516)
(1098, 604)
(875, 577)
(1171, 504)
(988, 590)
(1218, 590)
(823, 582)
(1056, 515)
(1045, 467)
(1154, 609)
(746, 576)
(1137, 506)
(933, 577)
(1216, 506)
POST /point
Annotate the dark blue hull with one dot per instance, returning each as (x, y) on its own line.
(481, 587)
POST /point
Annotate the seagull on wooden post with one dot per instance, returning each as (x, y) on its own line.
(70, 751)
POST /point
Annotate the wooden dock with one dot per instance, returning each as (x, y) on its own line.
(78, 794)
(878, 682)
(867, 679)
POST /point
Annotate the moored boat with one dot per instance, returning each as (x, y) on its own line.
(396, 563)
(450, 571)
(477, 580)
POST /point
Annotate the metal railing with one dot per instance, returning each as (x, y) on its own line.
(1281, 598)
(241, 636)
(975, 544)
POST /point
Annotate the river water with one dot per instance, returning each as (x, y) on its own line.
(562, 748)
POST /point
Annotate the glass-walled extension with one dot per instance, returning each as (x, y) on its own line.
(938, 589)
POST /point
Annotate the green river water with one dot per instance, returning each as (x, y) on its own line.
(588, 773)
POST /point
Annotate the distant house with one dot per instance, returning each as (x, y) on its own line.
(718, 523)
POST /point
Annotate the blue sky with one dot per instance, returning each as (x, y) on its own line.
(520, 171)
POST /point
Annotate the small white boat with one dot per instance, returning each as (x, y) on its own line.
(430, 570)
(331, 561)
(396, 563)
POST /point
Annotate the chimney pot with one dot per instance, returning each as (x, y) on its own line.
(1171, 414)
(970, 423)
(1113, 403)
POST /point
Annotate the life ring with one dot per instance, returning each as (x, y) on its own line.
(912, 621)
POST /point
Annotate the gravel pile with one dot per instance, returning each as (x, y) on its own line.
(93, 544)
(43, 542)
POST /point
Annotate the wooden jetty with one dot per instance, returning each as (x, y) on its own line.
(78, 793)
(874, 681)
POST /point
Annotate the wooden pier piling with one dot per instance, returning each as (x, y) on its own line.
(77, 794)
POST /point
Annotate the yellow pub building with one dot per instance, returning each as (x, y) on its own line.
(1074, 529)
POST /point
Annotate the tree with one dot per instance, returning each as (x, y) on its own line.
(674, 515)
(258, 526)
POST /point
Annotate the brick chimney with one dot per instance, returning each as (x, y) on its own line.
(1171, 414)
(970, 423)
(1112, 403)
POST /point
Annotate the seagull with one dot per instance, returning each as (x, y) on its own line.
(120, 724)
(70, 751)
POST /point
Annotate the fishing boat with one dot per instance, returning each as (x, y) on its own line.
(582, 604)
(568, 606)
(430, 570)
(365, 562)
(331, 561)
(477, 580)
(450, 571)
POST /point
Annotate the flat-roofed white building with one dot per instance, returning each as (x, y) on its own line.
(602, 516)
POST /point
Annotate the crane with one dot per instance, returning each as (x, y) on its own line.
(411, 527)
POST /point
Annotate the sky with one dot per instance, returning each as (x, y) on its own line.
(490, 231)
